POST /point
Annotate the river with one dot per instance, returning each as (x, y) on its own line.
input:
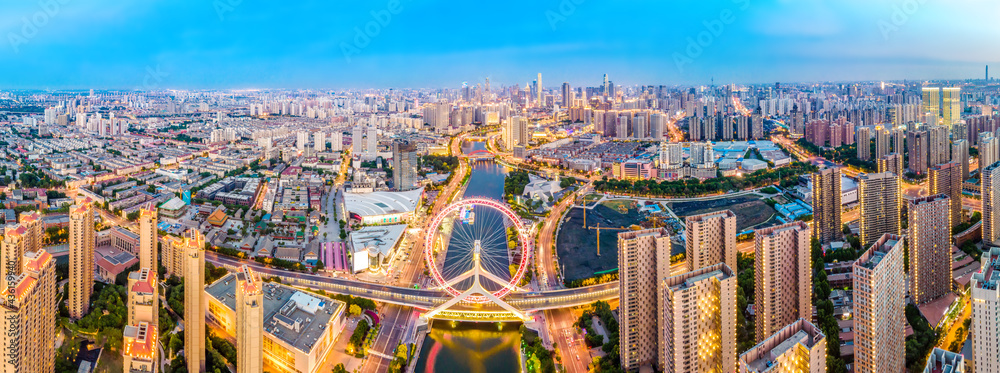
(474, 347)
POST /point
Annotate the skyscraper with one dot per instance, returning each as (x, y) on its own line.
(898, 138)
(319, 141)
(947, 179)
(951, 105)
(984, 329)
(194, 301)
(249, 322)
(864, 143)
(782, 277)
(644, 258)
(878, 196)
(32, 221)
(960, 155)
(826, 197)
(358, 140)
(989, 150)
(930, 247)
(371, 141)
(991, 204)
(337, 141)
(917, 142)
(302, 137)
(567, 95)
(892, 162)
(28, 316)
(15, 242)
(798, 347)
(404, 165)
(697, 321)
(81, 258)
(879, 307)
(881, 142)
(148, 237)
(932, 101)
(711, 238)
(515, 132)
(541, 94)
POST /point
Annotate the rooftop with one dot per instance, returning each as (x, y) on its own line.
(382, 203)
(293, 316)
(377, 239)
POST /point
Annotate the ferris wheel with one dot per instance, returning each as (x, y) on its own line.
(478, 243)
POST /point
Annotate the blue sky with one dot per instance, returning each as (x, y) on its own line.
(431, 44)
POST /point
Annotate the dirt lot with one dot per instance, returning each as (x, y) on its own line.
(751, 212)
(576, 246)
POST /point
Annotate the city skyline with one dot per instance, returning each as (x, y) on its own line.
(239, 45)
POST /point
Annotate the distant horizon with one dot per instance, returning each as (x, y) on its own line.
(247, 44)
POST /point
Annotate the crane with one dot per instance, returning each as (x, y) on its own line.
(598, 229)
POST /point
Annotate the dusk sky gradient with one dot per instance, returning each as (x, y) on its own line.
(433, 44)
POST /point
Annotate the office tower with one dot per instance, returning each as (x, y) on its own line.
(337, 141)
(319, 141)
(881, 142)
(515, 132)
(879, 307)
(81, 258)
(644, 259)
(985, 330)
(891, 162)
(32, 221)
(148, 237)
(404, 165)
(358, 140)
(670, 154)
(826, 201)
(798, 347)
(878, 196)
(863, 143)
(28, 317)
(951, 105)
(917, 142)
(944, 361)
(540, 90)
(782, 277)
(960, 155)
(301, 139)
(930, 247)
(194, 301)
(567, 95)
(947, 179)
(371, 141)
(711, 238)
(697, 321)
(249, 322)
(139, 336)
(931, 102)
(990, 185)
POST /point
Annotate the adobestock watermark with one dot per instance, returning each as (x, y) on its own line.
(713, 29)
(363, 35)
(30, 25)
(153, 78)
(565, 9)
(225, 6)
(901, 13)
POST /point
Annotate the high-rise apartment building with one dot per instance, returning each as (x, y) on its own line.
(697, 321)
(194, 301)
(796, 348)
(301, 139)
(879, 200)
(358, 139)
(139, 337)
(371, 141)
(15, 242)
(81, 258)
(898, 136)
(671, 154)
(319, 141)
(782, 277)
(404, 165)
(960, 155)
(917, 143)
(879, 307)
(337, 141)
(249, 322)
(938, 147)
(947, 179)
(148, 237)
(826, 201)
(28, 316)
(32, 221)
(711, 239)
(881, 142)
(989, 150)
(990, 185)
(891, 162)
(930, 247)
(515, 132)
(985, 330)
(644, 259)
(944, 361)
(864, 143)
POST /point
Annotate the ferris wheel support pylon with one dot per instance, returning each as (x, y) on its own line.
(477, 289)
